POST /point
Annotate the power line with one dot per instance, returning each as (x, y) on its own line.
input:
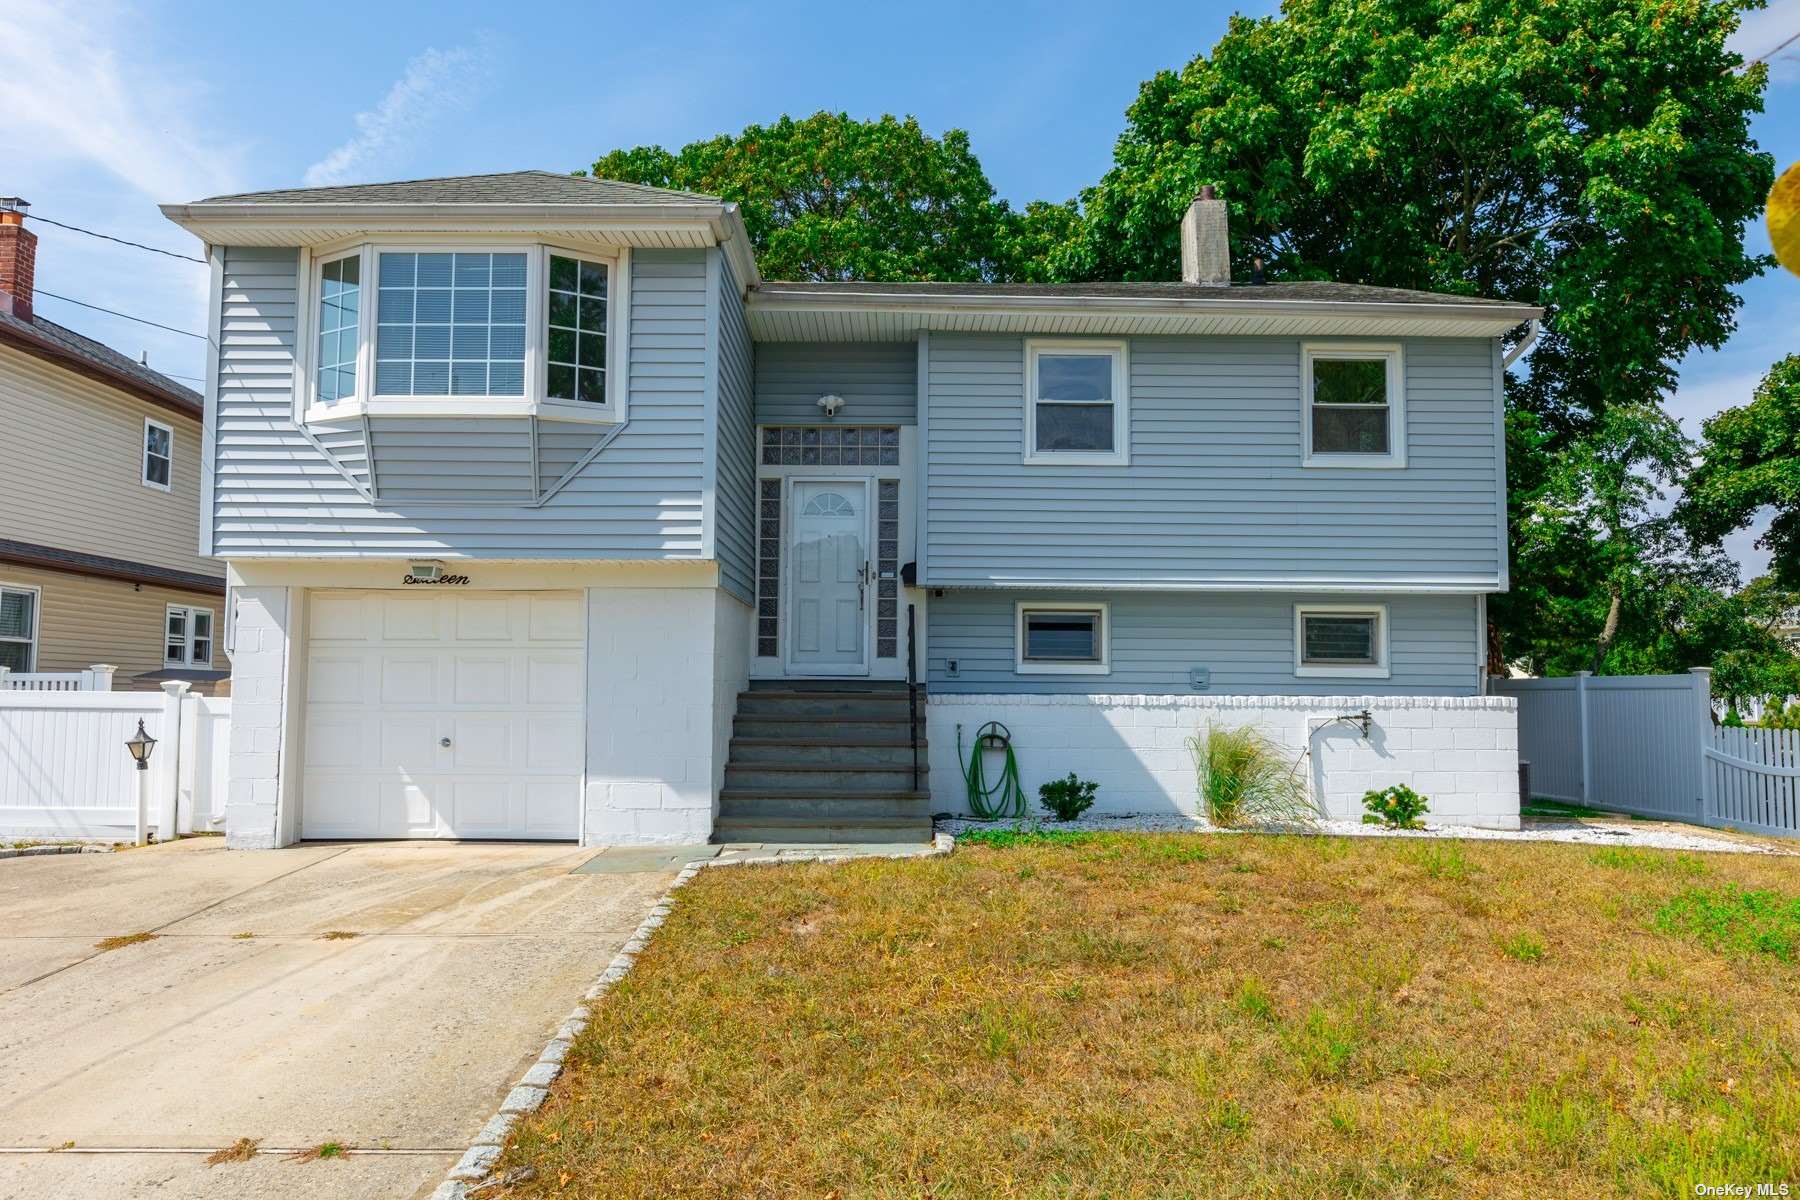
(115, 313)
(1777, 50)
(122, 241)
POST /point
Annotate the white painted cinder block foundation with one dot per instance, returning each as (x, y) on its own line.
(1462, 753)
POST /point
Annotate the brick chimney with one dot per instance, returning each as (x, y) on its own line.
(1206, 241)
(18, 257)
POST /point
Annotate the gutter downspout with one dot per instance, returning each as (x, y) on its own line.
(1532, 328)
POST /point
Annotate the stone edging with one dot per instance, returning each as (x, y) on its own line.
(34, 851)
(472, 1171)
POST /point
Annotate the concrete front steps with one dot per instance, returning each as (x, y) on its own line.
(824, 762)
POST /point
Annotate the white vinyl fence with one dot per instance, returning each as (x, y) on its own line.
(65, 773)
(1647, 745)
(98, 678)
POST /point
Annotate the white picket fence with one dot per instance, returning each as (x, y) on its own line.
(1647, 745)
(97, 678)
(65, 772)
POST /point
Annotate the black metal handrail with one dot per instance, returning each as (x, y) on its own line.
(912, 696)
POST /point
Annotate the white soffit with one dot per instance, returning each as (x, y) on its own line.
(788, 320)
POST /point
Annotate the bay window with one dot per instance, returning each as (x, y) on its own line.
(475, 331)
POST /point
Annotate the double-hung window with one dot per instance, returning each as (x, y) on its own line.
(1354, 405)
(18, 628)
(1061, 639)
(492, 330)
(188, 637)
(1341, 639)
(159, 455)
(1077, 403)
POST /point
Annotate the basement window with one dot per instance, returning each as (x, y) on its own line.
(1341, 639)
(1062, 639)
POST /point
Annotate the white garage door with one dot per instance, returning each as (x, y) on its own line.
(443, 714)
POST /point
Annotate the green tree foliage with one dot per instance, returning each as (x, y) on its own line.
(1589, 156)
(1749, 460)
(831, 197)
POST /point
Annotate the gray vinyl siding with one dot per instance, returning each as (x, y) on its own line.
(277, 493)
(561, 445)
(734, 505)
(878, 380)
(1214, 493)
(1246, 639)
(413, 457)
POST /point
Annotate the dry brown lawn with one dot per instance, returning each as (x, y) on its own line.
(1176, 1016)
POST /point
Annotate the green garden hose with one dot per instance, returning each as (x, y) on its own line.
(1006, 798)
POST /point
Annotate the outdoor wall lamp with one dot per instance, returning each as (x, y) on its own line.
(140, 745)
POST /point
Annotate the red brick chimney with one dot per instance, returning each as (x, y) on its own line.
(18, 257)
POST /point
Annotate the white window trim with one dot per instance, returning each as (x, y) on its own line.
(37, 618)
(1387, 352)
(310, 410)
(1120, 454)
(144, 456)
(212, 623)
(1378, 670)
(1021, 667)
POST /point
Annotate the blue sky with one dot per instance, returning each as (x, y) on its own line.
(113, 108)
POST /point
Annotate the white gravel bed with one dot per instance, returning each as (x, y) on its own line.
(1654, 835)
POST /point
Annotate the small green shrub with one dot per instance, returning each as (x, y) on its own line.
(1396, 807)
(1068, 798)
(1245, 778)
(1525, 947)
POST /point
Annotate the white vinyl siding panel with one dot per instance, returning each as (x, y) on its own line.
(878, 381)
(71, 470)
(277, 494)
(1215, 493)
(1246, 641)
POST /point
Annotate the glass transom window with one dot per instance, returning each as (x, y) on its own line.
(575, 353)
(1353, 407)
(450, 324)
(1076, 406)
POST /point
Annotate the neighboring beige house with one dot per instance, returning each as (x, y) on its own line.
(99, 503)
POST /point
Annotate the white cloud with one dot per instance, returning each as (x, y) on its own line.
(435, 83)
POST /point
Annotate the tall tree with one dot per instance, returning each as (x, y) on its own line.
(831, 197)
(1750, 460)
(1590, 156)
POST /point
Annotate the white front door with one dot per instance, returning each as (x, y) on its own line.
(443, 713)
(828, 577)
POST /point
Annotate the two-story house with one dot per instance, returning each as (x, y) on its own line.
(547, 517)
(100, 492)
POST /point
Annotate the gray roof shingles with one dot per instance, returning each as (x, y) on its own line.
(511, 187)
(57, 339)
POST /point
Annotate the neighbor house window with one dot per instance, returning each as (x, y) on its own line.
(1062, 639)
(159, 454)
(18, 628)
(575, 347)
(1355, 409)
(340, 308)
(188, 639)
(1077, 409)
(1332, 639)
(450, 324)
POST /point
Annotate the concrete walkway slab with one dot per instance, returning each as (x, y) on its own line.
(406, 1036)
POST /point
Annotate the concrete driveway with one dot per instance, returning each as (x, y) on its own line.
(400, 1041)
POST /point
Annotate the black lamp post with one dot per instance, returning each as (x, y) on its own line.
(140, 745)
